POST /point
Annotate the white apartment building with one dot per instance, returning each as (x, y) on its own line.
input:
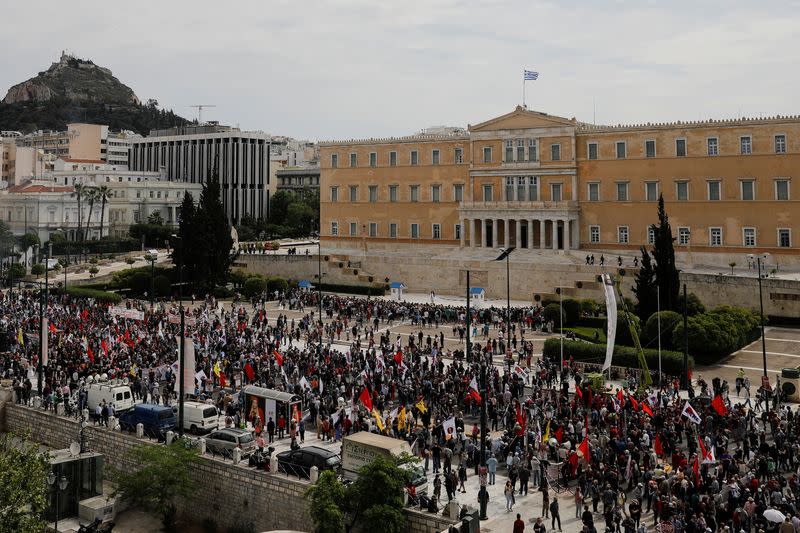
(82, 141)
(187, 154)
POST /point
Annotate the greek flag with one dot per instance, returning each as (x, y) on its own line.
(530, 75)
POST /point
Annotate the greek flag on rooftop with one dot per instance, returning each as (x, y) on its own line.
(531, 75)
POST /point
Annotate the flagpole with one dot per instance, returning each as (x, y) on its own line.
(658, 318)
(523, 88)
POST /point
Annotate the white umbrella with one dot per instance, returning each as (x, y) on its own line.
(774, 515)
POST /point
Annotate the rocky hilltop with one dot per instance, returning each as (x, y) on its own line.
(75, 80)
(77, 90)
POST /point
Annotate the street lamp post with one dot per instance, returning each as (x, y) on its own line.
(42, 305)
(58, 484)
(758, 259)
(504, 255)
(152, 279)
(181, 358)
(483, 495)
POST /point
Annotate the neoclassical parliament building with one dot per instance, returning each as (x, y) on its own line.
(542, 182)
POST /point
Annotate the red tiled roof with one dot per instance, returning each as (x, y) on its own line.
(26, 187)
(70, 160)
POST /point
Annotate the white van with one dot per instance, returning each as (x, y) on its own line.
(198, 417)
(112, 392)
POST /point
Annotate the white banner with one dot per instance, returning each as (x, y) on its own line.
(188, 372)
(449, 427)
(690, 413)
(45, 337)
(611, 313)
(124, 312)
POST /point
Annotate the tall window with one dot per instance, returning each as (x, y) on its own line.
(414, 157)
(393, 193)
(334, 194)
(533, 150)
(436, 193)
(353, 160)
(334, 228)
(458, 156)
(555, 152)
(594, 192)
(622, 192)
(458, 193)
(748, 190)
(680, 147)
(746, 145)
(521, 188)
(353, 229)
(780, 144)
(373, 193)
(334, 160)
(594, 234)
(784, 238)
(650, 148)
(593, 152)
(555, 192)
(393, 230)
(715, 236)
(621, 150)
(651, 191)
(415, 231)
(373, 229)
(373, 159)
(392, 159)
(487, 193)
(457, 232)
(684, 235)
(354, 193)
(520, 149)
(435, 157)
(714, 191)
(487, 154)
(509, 189)
(509, 151)
(713, 145)
(533, 188)
(415, 193)
(436, 231)
(683, 191)
(781, 189)
(749, 236)
(622, 234)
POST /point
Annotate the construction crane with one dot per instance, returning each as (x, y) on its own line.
(200, 111)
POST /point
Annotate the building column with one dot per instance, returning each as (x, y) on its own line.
(554, 222)
(566, 234)
(473, 241)
(530, 234)
(484, 238)
(462, 237)
(518, 224)
(542, 229)
(506, 233)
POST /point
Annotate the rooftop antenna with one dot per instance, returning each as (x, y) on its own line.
(200, 111)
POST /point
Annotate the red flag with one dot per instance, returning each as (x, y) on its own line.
(702, 447)
(52, 328)
(578, 391)
(646, 409)
(521, 419)
(696, 469)
(620, 396)
(366, 399)
(104, 345)
(573, 461)
(584, 448)
(634, 403)
(398, 357)
(657, 445)
(278, 357)
(90, 354)
(222, 382)
(84, 314)
(719, 406)
(249, 371)
(560, 434)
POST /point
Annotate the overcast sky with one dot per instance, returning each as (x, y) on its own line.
(353, 68)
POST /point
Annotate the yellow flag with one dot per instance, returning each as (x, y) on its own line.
(546, 436)
(216, 369)
(421, 406)
(378, 420)
(401, 418)
(20, 338)
(133, 370)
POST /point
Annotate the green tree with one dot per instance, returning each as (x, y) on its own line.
(376, 496)
(669, 320)
(645, 288)
(185, 251)
(254, 285)
(664, 255)
(623, 336)
(90, 195)
(37, 269)
(23, 486)
(693, 304)
(103, 194)
(301, 217)
(215, 233)
(78, 192)
(572, 311)
(279, 206)
(327, 499)
(155, 218)
(163, 477)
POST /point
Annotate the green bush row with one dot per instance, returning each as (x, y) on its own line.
(671, 362)
(718, 333)
(100, 296)
(592, 322)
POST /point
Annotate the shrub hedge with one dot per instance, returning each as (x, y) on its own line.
(100, 296)
(671, 362)
(592, 322)
(353, 289)
(718, 333)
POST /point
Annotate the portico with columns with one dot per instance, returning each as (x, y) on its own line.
(535, 226)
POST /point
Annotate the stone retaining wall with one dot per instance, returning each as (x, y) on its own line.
(226, 493)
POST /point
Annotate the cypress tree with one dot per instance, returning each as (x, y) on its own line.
(185, 249)
(645, 288)
(214, 232)
(664, 255)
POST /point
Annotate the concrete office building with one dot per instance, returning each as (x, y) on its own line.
(187, 154)
(82, 141)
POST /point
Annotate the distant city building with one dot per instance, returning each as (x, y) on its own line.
(187, 154)
(82, 141)
(298, 179)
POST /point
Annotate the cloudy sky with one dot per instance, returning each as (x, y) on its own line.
(354, 68)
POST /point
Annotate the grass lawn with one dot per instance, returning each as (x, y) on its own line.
(588, 333)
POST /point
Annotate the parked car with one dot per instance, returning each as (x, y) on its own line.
(223, 441)
(198, 417)
(156, 419)
(299, 462)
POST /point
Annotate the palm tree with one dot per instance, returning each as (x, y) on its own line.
(79, 192)
(103, 193)
(91, 196)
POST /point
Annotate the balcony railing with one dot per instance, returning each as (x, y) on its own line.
(564, 204)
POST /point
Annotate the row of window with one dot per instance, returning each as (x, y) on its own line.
(712, 147)
(413, 158)
(413, 193)
(371, 230)
(684, 236)
(714, 189)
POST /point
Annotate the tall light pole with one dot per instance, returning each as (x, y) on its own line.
(758, 259)
(152, 278)
(181, 359)
(42, 331)
(505, 252)
(58, 484)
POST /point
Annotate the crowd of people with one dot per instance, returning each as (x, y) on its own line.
(625, 457)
